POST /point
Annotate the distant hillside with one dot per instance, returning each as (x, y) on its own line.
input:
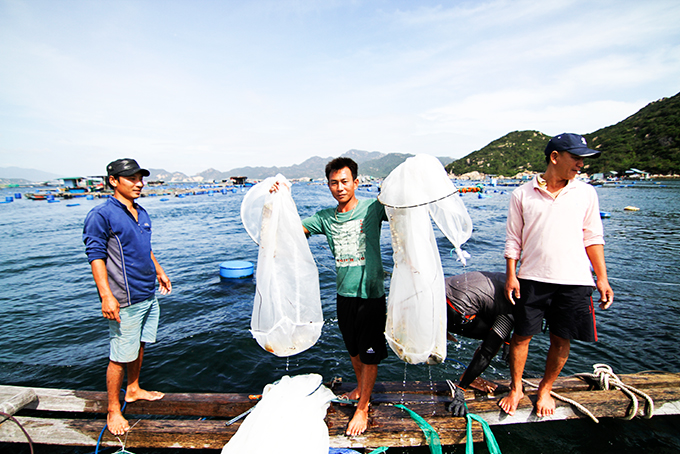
(18, 173)
(360, 156)
(648, 140)
(371, 163)
(311, 168)
(519, 151)
(14, 182)
(381, 167)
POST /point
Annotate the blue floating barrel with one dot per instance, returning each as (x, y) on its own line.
(72, 204)
(236, 269)
(17, 195)
(9, 198)
(605, 214)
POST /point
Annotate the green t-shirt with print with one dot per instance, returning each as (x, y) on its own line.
(354, 239)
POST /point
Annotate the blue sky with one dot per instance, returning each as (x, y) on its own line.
(192, 85)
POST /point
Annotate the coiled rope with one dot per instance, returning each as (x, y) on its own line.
(605, 377)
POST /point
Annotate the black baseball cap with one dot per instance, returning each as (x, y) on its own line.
(125, 168)
(573, 143)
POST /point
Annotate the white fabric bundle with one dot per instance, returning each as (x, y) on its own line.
(288, 420)
(287, 317)
(416, 190)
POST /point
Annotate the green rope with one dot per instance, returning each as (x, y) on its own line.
(488, 435)
(430, 434)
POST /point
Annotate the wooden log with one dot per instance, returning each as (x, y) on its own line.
(16, 403)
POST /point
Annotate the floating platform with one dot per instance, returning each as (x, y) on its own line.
(197, 420)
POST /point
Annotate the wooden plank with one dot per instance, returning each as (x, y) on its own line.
(62, 399)
(388, 425)
(571, 383)
(389, 428)
(603, 404)
(227, 405)
(190, 434)
(198, 404)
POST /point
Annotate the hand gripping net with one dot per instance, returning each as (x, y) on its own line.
(287, 316)
(414, 192)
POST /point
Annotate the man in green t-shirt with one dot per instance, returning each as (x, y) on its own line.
(353, 232)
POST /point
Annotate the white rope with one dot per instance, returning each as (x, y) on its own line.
(604, 375)
(581, 408)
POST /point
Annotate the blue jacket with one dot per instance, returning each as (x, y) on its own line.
(112, 234)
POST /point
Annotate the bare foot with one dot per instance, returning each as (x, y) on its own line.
(545, 404)
(116, 423)
(358, 424)
(510, 402)
(143, 394)
(354, 395)
(350, 396)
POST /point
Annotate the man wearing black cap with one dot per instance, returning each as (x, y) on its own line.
(117, 236)
(554, 230)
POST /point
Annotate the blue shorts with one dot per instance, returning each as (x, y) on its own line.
(138, 323)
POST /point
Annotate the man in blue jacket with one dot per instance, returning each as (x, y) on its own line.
(117, 236)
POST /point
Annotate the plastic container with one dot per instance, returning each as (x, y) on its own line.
(236, 269)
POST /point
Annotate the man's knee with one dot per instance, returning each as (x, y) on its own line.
(520, 340)
(559, 341)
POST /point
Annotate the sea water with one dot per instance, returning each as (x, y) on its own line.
(52, 333)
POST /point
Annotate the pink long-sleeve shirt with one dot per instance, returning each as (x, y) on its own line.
(549, 235)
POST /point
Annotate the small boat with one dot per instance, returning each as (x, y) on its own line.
(631, 208)
(198, 420)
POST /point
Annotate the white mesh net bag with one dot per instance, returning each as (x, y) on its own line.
(287, 317)
(416, 190)
(288, 420)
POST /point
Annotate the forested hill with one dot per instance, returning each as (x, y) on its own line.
(513, 153)
(649, 140)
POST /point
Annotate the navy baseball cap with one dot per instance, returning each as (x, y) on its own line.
(573, 143)
(125, 168)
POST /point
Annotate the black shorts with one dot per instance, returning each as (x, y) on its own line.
(567, 309)
(362, 324)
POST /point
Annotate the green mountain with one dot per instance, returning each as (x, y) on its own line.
(516, 152)
(649, 140)
(381, 167)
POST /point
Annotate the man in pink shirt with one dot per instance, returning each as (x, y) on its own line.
(554, 231)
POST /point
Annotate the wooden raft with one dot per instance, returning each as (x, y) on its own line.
(179, 420)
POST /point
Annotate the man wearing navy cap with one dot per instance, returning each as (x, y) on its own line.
(555, 232)
(117, 236)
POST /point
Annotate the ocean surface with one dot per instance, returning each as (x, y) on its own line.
(52, 333)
